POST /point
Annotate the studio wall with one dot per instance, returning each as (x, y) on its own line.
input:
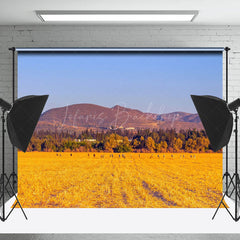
(118, 36)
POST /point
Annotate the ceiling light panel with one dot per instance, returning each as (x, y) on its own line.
(117, 16)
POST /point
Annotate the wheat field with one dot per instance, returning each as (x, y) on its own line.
(130, 180)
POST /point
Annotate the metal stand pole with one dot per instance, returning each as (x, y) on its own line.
(3, 163)
(226, 174)
(13, 175)
(236, 164)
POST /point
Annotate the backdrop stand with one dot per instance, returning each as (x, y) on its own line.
(13, 175)
(4, 177)
(226, 174)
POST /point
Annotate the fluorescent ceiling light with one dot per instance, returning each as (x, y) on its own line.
(117, 16)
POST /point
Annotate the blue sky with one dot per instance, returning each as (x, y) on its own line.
(157, 82)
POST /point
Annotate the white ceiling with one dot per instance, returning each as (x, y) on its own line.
(211, 12)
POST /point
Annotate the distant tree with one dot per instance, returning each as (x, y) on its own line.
(202, 144)
(190, 145)
(142, 142)
(150, 144)
(135, 143)
(177, 145)
(162, 146)
(181, 136)
(155, 136)
(34, 145)
(170, 136)
(206, 143)
(108, 146)
(111, 142)
(123, 148)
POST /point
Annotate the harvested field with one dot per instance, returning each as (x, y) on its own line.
(114, 180)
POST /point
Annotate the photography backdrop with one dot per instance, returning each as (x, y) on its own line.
(113, 91)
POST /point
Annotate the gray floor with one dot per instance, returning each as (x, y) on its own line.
(119, 236)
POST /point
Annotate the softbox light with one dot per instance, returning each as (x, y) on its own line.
(22, 119)
(216, 119)
(218, 123)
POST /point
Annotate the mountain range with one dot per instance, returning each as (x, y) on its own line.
(79, 117)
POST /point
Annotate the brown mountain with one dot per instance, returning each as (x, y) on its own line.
(78, 117)
(180, 116)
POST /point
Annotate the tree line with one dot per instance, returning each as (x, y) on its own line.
(121, 141)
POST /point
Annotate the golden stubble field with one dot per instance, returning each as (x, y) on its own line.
(130, 180)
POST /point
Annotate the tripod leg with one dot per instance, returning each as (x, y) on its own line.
(237, 196)
(16, 199)
(11, 210)
(221, 202)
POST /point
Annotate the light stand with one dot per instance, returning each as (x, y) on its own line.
(217, 120)
(234, 180)
(4, 177)
(22, 118)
